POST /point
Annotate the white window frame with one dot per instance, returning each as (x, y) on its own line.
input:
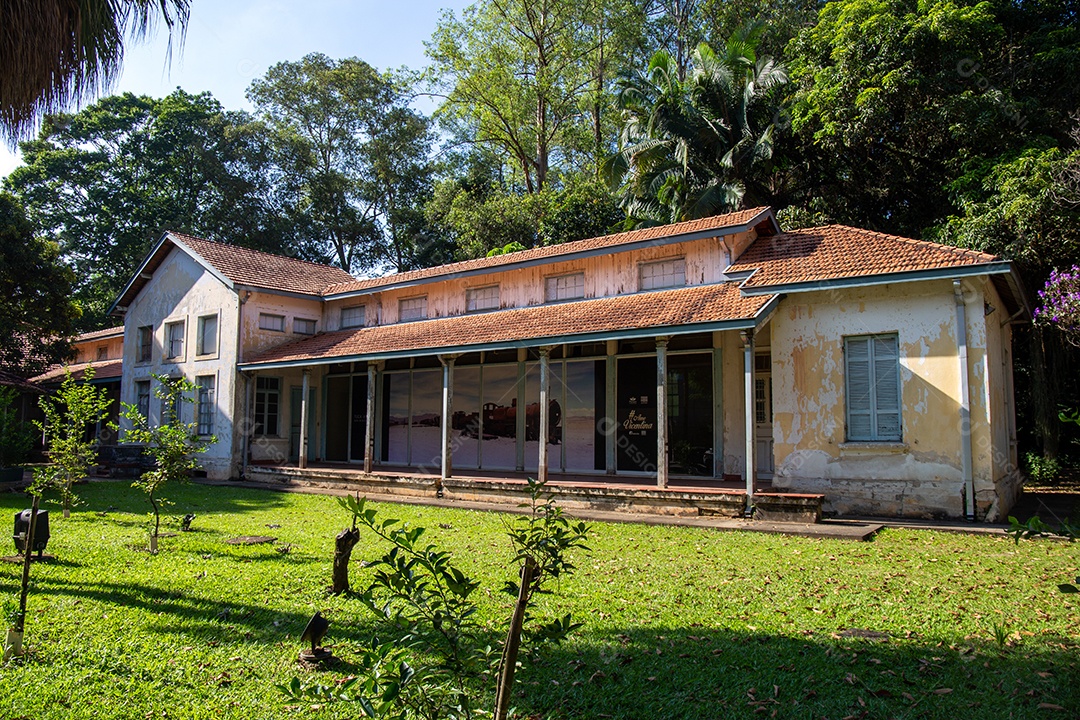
(561, 288)
(480, 299)
(172, 353)
(353, 316)
(662, 274)
(875, 380)
(406, 313)
(277, 324)
(200, 338)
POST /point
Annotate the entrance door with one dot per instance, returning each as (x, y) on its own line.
(294, 424)
(358, 426)
(763, 415)
(636, 415)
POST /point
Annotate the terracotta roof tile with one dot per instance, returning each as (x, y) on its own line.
(14, 381)
(717, 222)
(838, 251)
(99, 334)
(245, 266)
(685, 306)
(103, 370)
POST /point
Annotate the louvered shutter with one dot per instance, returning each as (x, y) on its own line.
(859, 389)
(886, 388)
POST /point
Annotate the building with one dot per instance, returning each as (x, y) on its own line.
(872, 369)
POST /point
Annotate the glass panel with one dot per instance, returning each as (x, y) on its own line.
(337, 418)
(426, 418)
(208, 335)
(485, 298)
(690, 413)
(636, 414)
(397, 424)
(499, 444)
(532, 416)
(465, 439)
(358, 426)
(352, 316)
(579, 416)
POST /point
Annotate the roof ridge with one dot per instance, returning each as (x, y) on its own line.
(232, 246)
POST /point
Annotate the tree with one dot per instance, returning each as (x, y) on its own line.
(105, 182)
(55, 53)
(692, 148)
(37, 315)
(351, 157)
(76, 406)
(16, 437)
(172, 443)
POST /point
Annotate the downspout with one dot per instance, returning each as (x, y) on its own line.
(245, 422)
(965, 403)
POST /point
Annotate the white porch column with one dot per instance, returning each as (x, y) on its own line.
(661, 413)
(447, 411)
(369, 426)
(542, 462)
(304, 410)
(748, 403)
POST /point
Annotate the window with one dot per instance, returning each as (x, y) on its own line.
(103, 352)
(414, 308)
(564, 287)
(142, 397)
(267, 402)
(144, 343)
(352, 316)
(483, 298)
(303, 326)
(174, 340)
(872, 370)
(274, 323)
(208, 337)
(662, 274)
(204, 404)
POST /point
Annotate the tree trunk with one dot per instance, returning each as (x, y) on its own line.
(343, 546)
(508, 664)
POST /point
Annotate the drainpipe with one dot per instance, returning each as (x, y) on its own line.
(542, 458)
(661, 413)
(965, 402)
(748, 408)
(304, 413)
(369, 427)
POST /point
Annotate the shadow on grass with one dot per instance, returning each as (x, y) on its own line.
(688, 673)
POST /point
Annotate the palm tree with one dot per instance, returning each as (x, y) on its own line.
(54, 53)
(689, 148)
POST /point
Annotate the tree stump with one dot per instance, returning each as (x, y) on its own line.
(343, 545)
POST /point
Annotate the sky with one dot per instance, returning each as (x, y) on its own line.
(231, 43)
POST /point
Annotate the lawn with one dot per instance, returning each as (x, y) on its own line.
(679, 622)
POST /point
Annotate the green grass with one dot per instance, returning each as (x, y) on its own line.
(679, 622)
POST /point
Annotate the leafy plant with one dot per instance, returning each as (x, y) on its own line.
(172, 443)
(16, 438)
(74, 407)
(436, 652)
(1001, 635)
(1042, 470)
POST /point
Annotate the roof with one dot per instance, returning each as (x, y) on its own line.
(14, 381)
(235, 265)
(103, 370)
(818, 255)
(100, 334)
(698, 308)
(670, 233)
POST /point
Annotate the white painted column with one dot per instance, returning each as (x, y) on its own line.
(610, 410)
(447, 412)
(748, 400)
(369, 424)
(661, 413)
(542, 462)
(304, 410)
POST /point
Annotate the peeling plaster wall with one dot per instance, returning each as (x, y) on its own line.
(920, 476)
(615, 273)
(182, 290)
(255, 340)
(87, 350)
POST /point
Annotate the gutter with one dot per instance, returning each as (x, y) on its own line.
(965, 402)
(948, 273)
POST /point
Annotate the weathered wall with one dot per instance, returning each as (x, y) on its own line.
(921, 475)
(89, 350)
(182, 290)
(605, 275)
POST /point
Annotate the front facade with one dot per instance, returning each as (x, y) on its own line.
(871, 369)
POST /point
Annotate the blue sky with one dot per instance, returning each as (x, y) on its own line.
(231, 43)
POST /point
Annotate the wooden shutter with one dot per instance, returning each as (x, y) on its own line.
(873, 388)
(886, 388)
(859, 389)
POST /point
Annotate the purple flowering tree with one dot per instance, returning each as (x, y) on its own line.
(1060, 303)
